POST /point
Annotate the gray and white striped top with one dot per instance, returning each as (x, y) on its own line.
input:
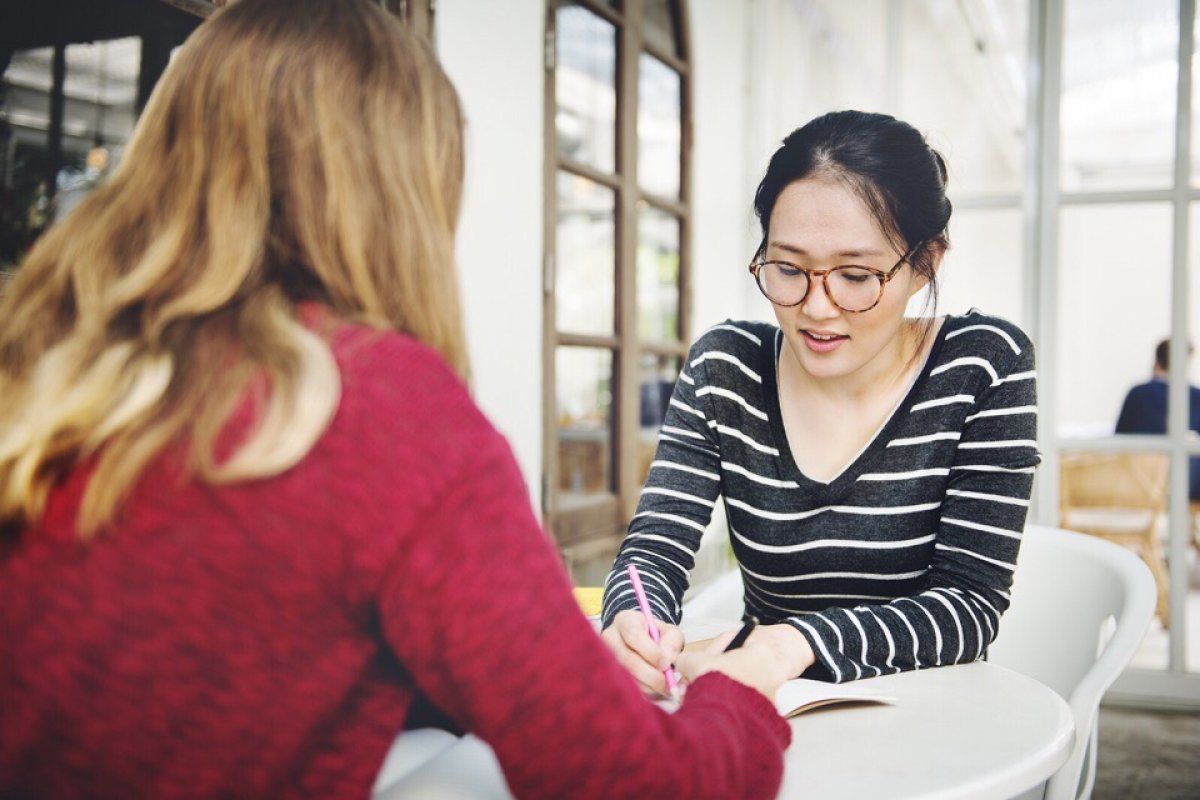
(902, 561)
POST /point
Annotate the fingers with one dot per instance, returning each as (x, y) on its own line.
(648, 677)
(631, 625)
(644, 659)
(670, 641)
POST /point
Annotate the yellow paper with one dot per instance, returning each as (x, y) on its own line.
(589, 599)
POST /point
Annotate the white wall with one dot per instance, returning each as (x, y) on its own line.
(724, 172)
(493, 54)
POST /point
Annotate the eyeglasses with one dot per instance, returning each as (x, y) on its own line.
(852, 289)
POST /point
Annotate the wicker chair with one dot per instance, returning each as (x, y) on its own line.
(1120, 497)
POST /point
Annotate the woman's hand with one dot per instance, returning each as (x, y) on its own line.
(771, 655)
(638, 653)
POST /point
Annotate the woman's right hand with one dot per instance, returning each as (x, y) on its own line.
(645, 659)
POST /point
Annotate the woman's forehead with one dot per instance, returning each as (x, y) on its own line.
(815, 214)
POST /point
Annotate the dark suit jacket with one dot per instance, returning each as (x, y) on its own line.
(1145, 411)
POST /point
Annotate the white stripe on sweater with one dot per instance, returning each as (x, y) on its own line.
(973, 554)
(729, 466)
(1002, 412)
(995, 498)
(967, 361)
(979, 526)
(712, 476)
(993, 329)
(717, 355)
(944, 401)
(717, 391)
(903, 476)
(822, 543)
(812, 576)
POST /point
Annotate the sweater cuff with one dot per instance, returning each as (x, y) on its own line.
(724, 689)
(821, 669)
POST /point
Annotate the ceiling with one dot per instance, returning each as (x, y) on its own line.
(27, 24)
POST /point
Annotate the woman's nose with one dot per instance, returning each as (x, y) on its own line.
(818, 305)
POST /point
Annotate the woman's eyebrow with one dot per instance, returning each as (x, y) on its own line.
(862, 252)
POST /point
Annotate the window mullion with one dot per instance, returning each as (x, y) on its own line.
(626, 365)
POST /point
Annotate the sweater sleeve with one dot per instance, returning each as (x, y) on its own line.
(676, 503)
(978, 535)
(479, 611)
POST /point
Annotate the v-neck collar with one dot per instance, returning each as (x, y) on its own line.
(770, 350)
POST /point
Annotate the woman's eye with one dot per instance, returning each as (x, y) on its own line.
(853, 275)
(788, 271)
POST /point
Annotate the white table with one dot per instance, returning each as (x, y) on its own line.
(974, 731)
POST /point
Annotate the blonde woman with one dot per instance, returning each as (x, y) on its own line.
(253, 523)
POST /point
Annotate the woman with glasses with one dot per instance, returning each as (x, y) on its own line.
(875, 469)
(252, 523)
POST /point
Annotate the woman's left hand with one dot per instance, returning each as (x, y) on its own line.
(786, 646)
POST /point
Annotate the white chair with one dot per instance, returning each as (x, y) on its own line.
(722, 599)
(1080, 607)
(466, 770)
(410, 750)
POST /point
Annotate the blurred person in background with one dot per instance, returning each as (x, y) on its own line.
(252, 524)
(1144, 409)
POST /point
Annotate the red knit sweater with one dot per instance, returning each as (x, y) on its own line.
(268, 639)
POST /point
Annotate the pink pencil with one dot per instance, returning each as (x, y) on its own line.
(640, 593)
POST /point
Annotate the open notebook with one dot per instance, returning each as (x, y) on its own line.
(800, 695)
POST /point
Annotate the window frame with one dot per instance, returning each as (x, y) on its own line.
(592, 535)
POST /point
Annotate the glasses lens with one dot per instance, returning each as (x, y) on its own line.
(782, 283)
(854, 289)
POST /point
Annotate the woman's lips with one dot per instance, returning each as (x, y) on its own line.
(819, 342)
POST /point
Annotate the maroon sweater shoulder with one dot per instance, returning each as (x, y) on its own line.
(267, 639)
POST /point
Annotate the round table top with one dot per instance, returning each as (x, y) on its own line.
(972, 731)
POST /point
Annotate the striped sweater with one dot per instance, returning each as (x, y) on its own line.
(902, 561)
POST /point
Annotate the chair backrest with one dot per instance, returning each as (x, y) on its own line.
(1080, 607)
(722, 599)
(1113, 480)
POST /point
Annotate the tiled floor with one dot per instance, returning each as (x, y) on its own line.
(1148, 755)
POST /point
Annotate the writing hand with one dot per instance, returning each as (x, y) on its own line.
(639, 654)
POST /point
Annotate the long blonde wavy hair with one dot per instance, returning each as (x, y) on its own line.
(294, 151)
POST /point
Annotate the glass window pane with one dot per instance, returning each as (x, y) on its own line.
(583, 391)
(659, 130)
(660, 25)
(1193, 268)
(99, 88)
(961, 81)
(982, 268)
(1110, 315)
(1195, 104)
(1118, 96)
(658, 276)
(585, 81)
(585, 256)
(658, 374)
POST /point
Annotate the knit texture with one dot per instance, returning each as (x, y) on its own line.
(905, 559)
(268, 639)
